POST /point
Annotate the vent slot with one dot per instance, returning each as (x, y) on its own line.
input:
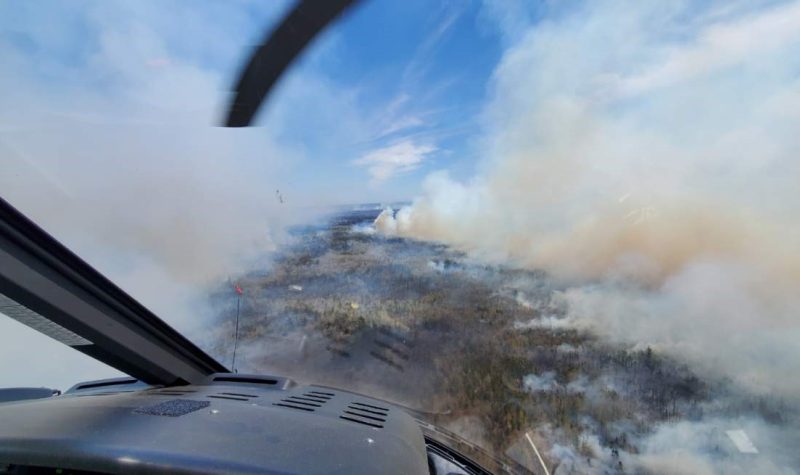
(308, 399)
(379, 419)
(322, 394)
(236, 379)
(362, 422)
(231, 398)
(240, 395)
(365, 414)
(293, 406)
(378, 408)
(171, 392)
(101, 384)
(368, 411)
(316, 396)
(302, 403)
(108, 393)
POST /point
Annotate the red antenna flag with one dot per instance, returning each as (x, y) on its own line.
(238, 289)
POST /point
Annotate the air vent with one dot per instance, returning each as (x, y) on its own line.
(385, 410)
(241, 395)
(320, 394)
(245, 382)
(365, 414)
(292, 406)
(230, 398)
(246, 379)
(100, 384)
(305, 401)
(233, 396)
(171, 392)
(308, 401)
(107, 393)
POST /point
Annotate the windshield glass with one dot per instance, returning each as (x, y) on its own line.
(566, 231)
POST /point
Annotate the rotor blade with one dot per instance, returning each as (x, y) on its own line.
(271, 59)
(50, 289)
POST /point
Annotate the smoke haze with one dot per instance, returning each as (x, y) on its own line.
(115, 152)
(642, 153)
(646, 155)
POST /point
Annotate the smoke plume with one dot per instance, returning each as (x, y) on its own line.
(645, 155)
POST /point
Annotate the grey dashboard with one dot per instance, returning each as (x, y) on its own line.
(230, 424)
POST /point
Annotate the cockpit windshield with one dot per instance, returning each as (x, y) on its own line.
(566, 231)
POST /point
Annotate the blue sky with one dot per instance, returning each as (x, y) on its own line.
(417, 73)
(393, 91)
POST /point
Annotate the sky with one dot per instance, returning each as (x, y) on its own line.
(390, 93)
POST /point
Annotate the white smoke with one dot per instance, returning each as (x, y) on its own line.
(109, 140)
(645, 153)
(703, 447)
(540, 382)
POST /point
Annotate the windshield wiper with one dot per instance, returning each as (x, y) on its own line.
(271, 59)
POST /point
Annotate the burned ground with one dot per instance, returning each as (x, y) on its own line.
(422, 325)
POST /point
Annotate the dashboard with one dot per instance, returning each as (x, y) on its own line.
(231, 423)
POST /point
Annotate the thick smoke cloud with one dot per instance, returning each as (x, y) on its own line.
(703, 448)
(108, 139)
(645, 154)
(123, 153)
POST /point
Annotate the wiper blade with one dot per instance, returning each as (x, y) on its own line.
(47, 287)
(271, 59)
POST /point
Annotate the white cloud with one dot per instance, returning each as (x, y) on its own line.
(723, 45)
(401, 157)
(422, 58)
(402, 123)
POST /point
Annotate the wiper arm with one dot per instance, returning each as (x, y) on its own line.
(271, 59)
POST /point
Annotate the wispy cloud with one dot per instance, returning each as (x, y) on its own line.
(395, 117)
(722, 45)
(386, 162)
(421, 60)
(402, 123)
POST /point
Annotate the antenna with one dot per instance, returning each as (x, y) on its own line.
(239, 293)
